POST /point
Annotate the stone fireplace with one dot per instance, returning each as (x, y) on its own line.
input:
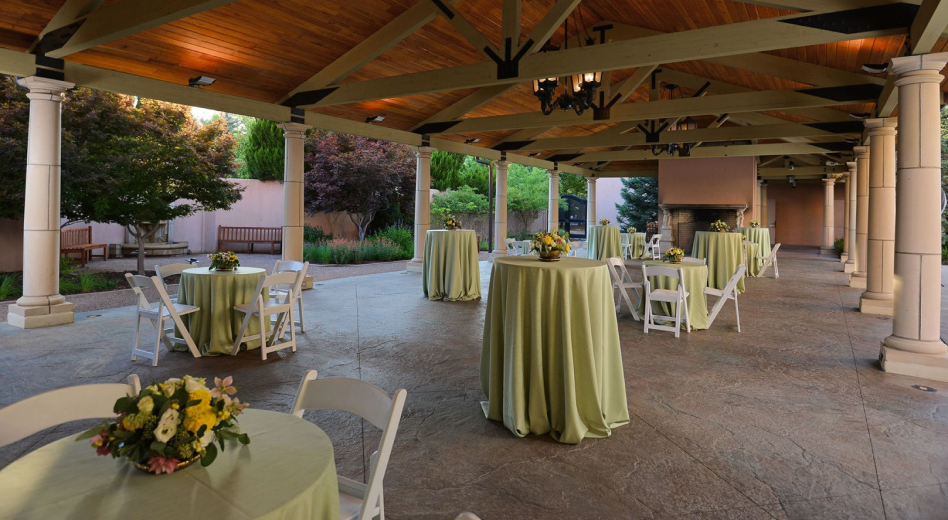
(681, 221)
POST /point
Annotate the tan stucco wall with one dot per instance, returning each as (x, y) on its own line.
(798, 212)
(724, 180)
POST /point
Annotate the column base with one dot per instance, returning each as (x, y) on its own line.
(858, 281)
(38, 317)
(876, 303)
(843, 258)
(828, 251)
(849, 267)
(414, 266)
(307, 283)
(499, 252)
(926, 366)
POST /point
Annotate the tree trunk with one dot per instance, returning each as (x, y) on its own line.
(140, 237)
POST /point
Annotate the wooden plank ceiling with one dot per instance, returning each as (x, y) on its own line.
(264, 49)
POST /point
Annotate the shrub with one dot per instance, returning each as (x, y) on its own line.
(91, 282)
(11, 286)
(521, 235)
(347, 251)
(403, 237)
(69, 285)
(838, 244)
(315, 235)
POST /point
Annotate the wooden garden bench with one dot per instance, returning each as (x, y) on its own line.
(249, 236)
(80, 241)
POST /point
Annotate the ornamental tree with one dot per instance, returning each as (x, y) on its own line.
(357, 176)
(263, 150)
(639, 202)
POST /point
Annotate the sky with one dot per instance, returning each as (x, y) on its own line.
(203, 114)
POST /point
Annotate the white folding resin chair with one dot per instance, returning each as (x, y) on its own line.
(165, 310)
(73, 403)
(677, 297)
(512, 249)
(467, 516)
(728, 293)
(371, 403)
(768, 261)
(164, 271)
(621, 285)
(524, 246)
(574, 247)
(690, 260)
(263, 309)
(625, 245)
(280, 290)
(655, 247)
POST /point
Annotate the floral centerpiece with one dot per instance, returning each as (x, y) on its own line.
(673, 255)
(755, 223)
(452, 223)
(169, 425)
(603, 222)
(549, 246)
(223, 261)
(720, 226)
(630, 230)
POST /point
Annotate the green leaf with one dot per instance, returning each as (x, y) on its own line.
(158, 446)
(194, 402)
(201, 430)
(122, 404)
(92, 432)
(122, 434)
(209, 455)
(243, 438)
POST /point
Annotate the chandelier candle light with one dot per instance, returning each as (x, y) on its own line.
(580, 88)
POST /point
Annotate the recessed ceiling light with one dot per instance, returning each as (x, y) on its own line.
(375, 119)
(201, 81)
(471, 141)
(875, 68)
(864, 115)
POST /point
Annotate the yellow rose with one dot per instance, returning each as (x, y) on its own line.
(146, 404)
(193, 423)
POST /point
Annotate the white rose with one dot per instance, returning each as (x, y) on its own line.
(207, 438)
(167, 426)
(153, 388)
(146, 404)
(169, 389)
(193, 384)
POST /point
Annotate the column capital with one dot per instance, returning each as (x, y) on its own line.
(861, 152)
(503, 164)
(38, 85)
(553, 173)
(829, 181)
(424, 151)
(294, 130)
(882, 125)
(591, 180)
(852, 166)
(932, 63)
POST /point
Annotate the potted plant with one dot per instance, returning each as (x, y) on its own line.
(223, 261)
(549, 246)
(452, 223)
(720, 226)
(673, 255)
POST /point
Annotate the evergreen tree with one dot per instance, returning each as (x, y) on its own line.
(639, 202)
(446, 170)
(263, 151)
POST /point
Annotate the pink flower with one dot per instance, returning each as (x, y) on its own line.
(223, 387)
(159, 465)
(100, 442)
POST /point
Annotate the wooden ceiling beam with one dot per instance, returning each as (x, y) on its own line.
(510, 24)
(466, 29)
(118, 20)
(697, 44)
(801, 170)
(68, 13)
(372, 47)
(744, 150)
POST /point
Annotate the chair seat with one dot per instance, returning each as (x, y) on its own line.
(268, 306)
(180, 308)
(716, 292)
(665, 295)
(349, 506)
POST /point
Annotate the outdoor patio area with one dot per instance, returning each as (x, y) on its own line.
(792, 418)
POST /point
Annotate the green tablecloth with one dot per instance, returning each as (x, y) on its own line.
(638, 244)
(603, 242)
(724, 252)
(451, 271)
(696, 279)
(760, 237)
(551, 361)
(267, 479)
(214, 328)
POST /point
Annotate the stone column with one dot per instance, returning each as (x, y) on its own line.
(293, 214)
(829, 215)
(757, 213)
(590, 203)
(764, 224)
(915, 347)
(500, 210)
(553, 216)
(41, 304)
(880, 263)
(853, 182)
(422, 205)
(858, 278)
(846, 206)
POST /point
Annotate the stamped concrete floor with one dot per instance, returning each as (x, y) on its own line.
(790, 419)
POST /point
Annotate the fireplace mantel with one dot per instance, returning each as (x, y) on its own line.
(735, 207)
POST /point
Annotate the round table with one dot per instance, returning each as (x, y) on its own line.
(724, 252)
(637, 240)
(550, 360)
(214, 328)
(287, 471)
(603, 242)
(761, 237)
(451, 270)
(696, 279)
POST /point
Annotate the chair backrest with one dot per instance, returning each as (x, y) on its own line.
(164, 271)
(75, 237)
(656, 247)
(291, 266)
(511, 244)
(657, 270)
(368, 402)
(773, 253)
(139, 283)
(614, 262)
(690, 260)
(24, 418)
(624, 239)
(286, 279)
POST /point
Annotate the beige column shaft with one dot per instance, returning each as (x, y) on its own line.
(422, 204)
(590, 203)
(764, 223)
(500, 210)
(851, 233)
(915, 346)
(880, 248)
(858, 278)
(553, 215)
(846, 206)
(829, 215)
(41, 304)
(293, 213)
(757, 213)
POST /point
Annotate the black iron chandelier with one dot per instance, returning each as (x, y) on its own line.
(682, 124)
(580, 88)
